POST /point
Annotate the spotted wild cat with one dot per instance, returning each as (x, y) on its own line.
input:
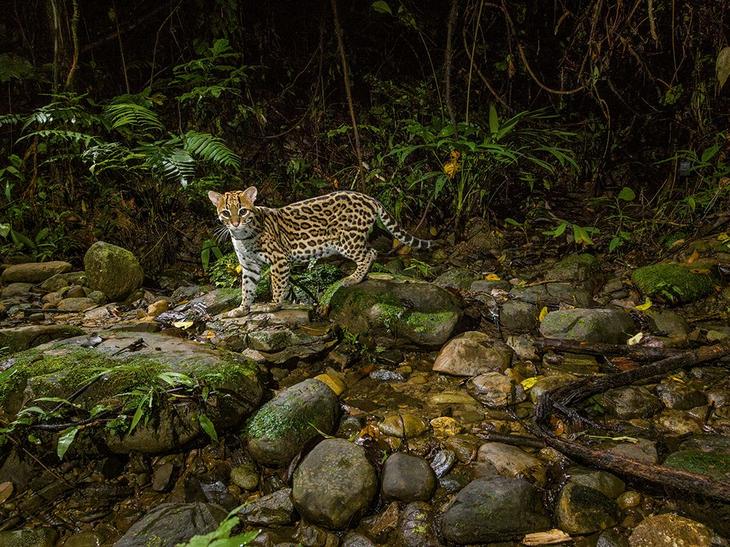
(336, 223)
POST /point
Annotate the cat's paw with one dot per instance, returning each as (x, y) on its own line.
(266, 308)
(240, 311)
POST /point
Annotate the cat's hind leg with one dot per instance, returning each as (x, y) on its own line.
(363, 258)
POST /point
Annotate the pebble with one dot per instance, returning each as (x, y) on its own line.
(407, 478)
(403, 425)
(445, 426)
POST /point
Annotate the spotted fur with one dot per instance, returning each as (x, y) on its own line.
(336, 223)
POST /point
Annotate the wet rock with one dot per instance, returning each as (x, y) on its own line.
(715, 464)
(628, 500)
(157, 307)
(442, 462)
(415, 526)
(381, 525)
(16, 289)
(643, 450)
(677, 422)
(496, 390)
(60, 368)
(606, 483)
(279, 429)
(34, 272)
(403, 425)
(40, 537)
(680, 393)
(308, 535)
(549, 383)
(353, 539)
(445, 426)
(214, 302)
(510, 461)
(672, 282)
(670, 529)
(471, 354)
(611, 538)
(389, 312)
(75, 291)
(553, 295)
(76, 304)
(273, 510)
(589, 325)
(112, 270)
(519, 316)
(334, 484)
(570, 363)
(88, 538)
(583, 268)
(668, 323)
(171, 523)
(484, 511)
(162, 477)
(631, 402)
(456, 278)
(583, 510)
(245, 476)
(28, 336)
(407, 478)
(59, 281)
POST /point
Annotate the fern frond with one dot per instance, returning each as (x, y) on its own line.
(209, 148)
(133, 115)
(10, 119)
(64, 135)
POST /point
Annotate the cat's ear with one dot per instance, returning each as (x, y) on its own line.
(215, 197)
(250, 194)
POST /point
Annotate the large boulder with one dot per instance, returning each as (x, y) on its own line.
(280, 428)
(388, 312)
(588, 325)
(169, 524)
(118, 373)
(334, 484)
(112, 270)
(34, 272)
(494, 510)
(28, 336)
(670, 529)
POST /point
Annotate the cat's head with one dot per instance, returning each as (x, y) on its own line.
(235, 209)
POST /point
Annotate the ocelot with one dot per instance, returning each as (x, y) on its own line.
(336, 223)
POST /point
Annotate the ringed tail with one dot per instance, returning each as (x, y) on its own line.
(400, 234)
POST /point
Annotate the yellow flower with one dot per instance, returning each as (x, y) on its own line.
(452, 166)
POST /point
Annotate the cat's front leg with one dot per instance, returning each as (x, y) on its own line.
(251, 272)
(279, 284)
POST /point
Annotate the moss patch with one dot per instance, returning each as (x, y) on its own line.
(715, 465)
(672, 282)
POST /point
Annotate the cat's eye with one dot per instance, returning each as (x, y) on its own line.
(242, 212)
(225, 213)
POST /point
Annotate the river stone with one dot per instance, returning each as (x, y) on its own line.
(630, 402)
(279, 429)
(496, 390)
(171, 523)
(16, 289)
(519, 316)
(583, 510)
(34, 272)
(110, 370)
(510, 461)
(415, 526)
(583, 268)
(643, 451)
(677, 422)
(606, 483)
(492, 510)
(668, 323)
(402, 425)
(471, 354)
(588, 325)
(334, 484)
(545, 384)
(407, 478)
(390, 312)
(670, 529)
(214, 302)
(273, 510)
(59, 281)
(38, 537)
(715, 464)
(553, 294)
(681, 393)
(245, 476)
(76, 304)
(456, 278)
(112, 270)
(28, 336)
(353, 539)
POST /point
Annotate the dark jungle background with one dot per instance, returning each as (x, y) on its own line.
(578, 123)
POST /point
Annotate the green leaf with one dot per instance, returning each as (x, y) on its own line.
(708, 154)
(722, 66)
(208, 427)
(558, 230)
(137, 417)
(626, 194)
(692, 202)
(65, 440)
(513, 222)
(493, 119)
(580, 235)
(177, 379)
(4, 230)
(381, 7)
(615, 243)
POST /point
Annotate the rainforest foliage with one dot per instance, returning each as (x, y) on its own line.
(593, 123)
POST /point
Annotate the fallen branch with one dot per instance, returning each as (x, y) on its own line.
(575, 392)
(636, 353)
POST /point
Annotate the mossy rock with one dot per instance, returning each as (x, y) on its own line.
(389, 312)
(280, 428)
(588, 325)
(28, 336)
(112, 270)
(119, 379)
(713, 464)
(672, 282)
(582, 267)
